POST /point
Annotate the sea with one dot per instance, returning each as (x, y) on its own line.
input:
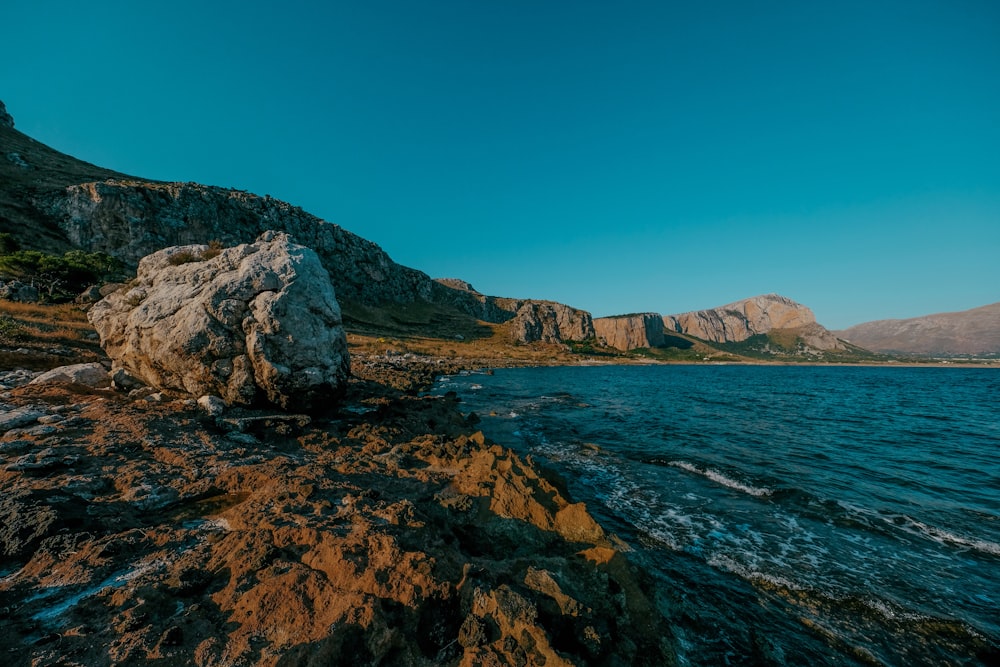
(787, 515)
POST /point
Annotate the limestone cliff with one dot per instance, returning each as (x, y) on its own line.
(131, 219)
(551, 322)
(529, 320)
(629, 332)
(736, 322)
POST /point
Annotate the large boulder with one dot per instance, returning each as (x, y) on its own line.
(255, 323)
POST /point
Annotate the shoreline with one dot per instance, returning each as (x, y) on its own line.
(390, 530)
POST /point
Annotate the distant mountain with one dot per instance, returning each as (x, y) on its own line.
(969, 332)
(757, 316)
(768, 324)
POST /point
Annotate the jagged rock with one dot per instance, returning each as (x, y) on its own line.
(738, 321)
(531, 320)
(91, 375)
(457, 284)
(629, 332)
(550, 322)
(257, 322)
(6, 120)
(394, 537)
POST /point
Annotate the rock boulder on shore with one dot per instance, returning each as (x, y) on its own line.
(255, 323)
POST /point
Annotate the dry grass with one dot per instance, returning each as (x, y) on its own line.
(44, 336)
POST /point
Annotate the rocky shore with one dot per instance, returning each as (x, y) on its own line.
(386, 531)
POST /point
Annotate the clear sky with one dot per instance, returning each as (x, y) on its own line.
(615, 156)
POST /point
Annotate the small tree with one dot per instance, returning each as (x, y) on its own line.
(60, 277)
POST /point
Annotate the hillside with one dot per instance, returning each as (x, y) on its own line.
(30, 170)
(53, 202)
(969, 332)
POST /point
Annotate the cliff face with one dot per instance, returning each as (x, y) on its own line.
(738, 321)
(630, 332)
(975, 331)
(132, 219)
(551, 322)
(529, 320)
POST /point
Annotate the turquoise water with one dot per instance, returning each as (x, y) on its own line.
(822, 514)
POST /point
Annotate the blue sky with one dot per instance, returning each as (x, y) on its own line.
(619, 157)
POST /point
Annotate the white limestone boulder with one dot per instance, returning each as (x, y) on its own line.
(256, 323)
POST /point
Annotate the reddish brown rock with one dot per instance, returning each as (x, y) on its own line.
(391, 533)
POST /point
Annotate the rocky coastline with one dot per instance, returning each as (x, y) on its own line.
(387, 531)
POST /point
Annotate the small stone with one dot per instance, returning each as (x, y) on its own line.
(212, 405)
(91, 375)
(50, 419)
(120, 379)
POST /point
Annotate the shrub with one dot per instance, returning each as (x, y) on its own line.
(183, 257)
(10, 329)
(60, 277)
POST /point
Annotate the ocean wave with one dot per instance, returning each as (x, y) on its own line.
(723, 562)
(943, 536)
(719, 478)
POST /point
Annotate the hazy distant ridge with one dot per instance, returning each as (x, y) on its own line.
(969, 332)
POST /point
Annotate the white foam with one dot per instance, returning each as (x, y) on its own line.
(719, 478)
(726, 563)
(943, 536)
